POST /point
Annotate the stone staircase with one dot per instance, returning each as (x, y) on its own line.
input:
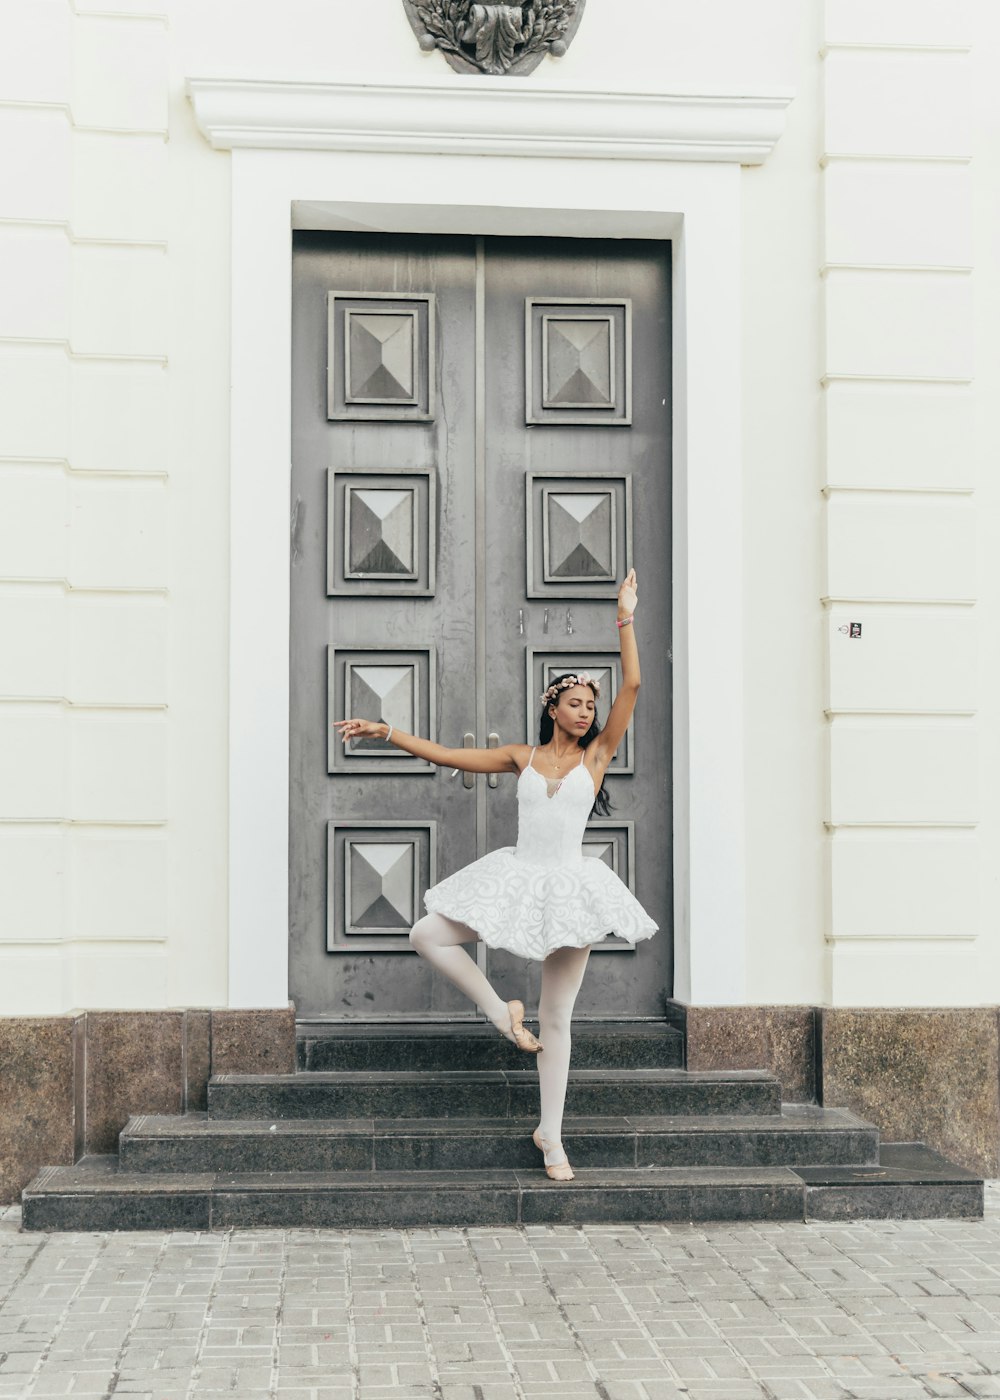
(430, 1125)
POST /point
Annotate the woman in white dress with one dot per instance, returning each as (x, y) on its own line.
(541, 899)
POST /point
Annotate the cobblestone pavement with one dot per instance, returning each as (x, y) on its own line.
(881, 1310)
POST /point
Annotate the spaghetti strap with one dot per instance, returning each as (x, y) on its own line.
(530, 757)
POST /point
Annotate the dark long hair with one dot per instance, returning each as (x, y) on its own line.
(546, 728)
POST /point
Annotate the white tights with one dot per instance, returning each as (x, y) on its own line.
(439, 940)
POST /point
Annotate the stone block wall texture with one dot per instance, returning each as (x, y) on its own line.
(68, 1084)
(777, 1038)
(37, 1109)
(922, 1075)
(253, 1042)
(135, 1064)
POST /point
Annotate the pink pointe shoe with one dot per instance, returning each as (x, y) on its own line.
(523, 1038)
(558, 1171)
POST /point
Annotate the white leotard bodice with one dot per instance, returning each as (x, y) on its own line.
(550, 828)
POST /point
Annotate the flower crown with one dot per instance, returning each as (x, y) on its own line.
(584, 678)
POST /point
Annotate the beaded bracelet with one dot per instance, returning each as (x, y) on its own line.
(623, 622)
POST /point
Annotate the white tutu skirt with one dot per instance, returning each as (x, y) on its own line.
(530, 909)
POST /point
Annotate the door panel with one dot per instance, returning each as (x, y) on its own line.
(578, 489)
(481, 435)
(382, 609)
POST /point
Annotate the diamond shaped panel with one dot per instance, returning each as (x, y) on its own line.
(381, 533)
(578, 361)
(376, 873)
(578, 533)
(380, 349)
(391, 683)
(579, 536)
(379, 894)
(381, 692)
(579, 357)
(380, 356)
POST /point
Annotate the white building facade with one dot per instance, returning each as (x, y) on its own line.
(827, 176)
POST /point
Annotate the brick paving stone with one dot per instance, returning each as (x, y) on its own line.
(861, 1311)
(319, 1392)
(464, 1390)
(809, 1390)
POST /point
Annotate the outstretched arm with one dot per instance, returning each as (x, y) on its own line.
(621, 711)
(499, 760)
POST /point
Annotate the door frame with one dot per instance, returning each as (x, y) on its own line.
(686, 190)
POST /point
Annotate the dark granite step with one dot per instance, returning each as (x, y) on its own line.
(488, 1093)
(909, 1183)
(196, 1143)
(596, 1045)
(94, 1195)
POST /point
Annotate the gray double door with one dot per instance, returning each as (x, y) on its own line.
(481, 450)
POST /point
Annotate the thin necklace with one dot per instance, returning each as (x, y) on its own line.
(558, 762)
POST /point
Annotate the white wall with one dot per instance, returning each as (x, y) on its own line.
(114, 470)
(84, 489)
(113, 499)
(782, 512)
(901, 275)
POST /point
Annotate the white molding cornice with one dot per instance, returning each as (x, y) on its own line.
(474, 116)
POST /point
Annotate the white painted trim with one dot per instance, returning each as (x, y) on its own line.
(483, 116)
(845, 377)
(130, 16)
(697, 206)
(848, 488)
(873, 46)
(17, 581)
(890, 158)
(891, 938)
(900, 826)
(957, 269)
(838, 711)
(858, 600)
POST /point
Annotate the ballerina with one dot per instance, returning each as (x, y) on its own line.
(541, 899)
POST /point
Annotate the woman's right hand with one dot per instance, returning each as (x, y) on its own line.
(359, 729)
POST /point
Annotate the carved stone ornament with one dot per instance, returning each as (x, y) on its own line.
(503, 40)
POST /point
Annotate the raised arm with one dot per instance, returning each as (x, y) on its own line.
(621, 711)
(499, 760)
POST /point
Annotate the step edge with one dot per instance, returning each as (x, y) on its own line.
(226, 1181)
(339, 1077)
(395, 1030)
(653, 1125)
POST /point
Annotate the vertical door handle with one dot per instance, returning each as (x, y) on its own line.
(468, 742)
(492, 742)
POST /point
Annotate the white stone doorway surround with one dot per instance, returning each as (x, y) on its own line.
(484, 156)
